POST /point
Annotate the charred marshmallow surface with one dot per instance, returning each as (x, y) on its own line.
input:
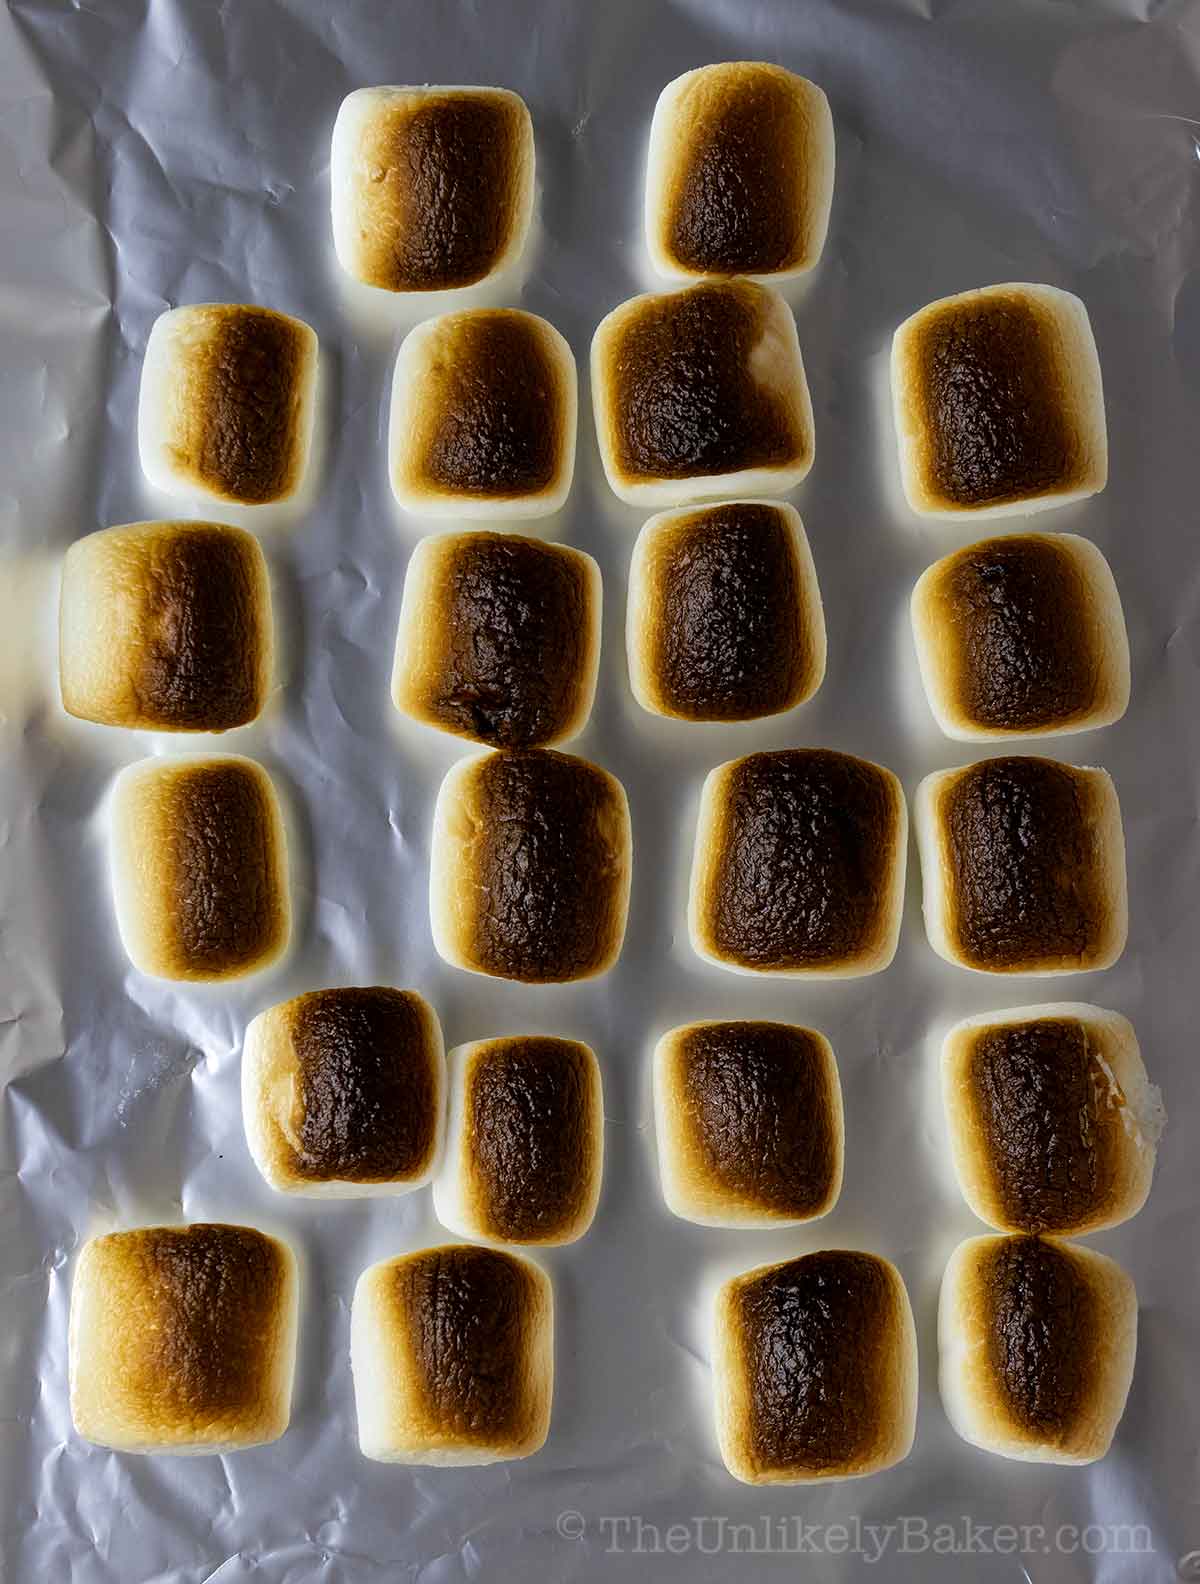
(229, 393)
(755, 1119)
(166, 626)
(1026, 878)
(998, 402)
(499, 639)
(701, 384)
(531, 867)
(1025, 634)
(452, 1352)
(817, 1355)
(729, 624)
(744, 172)
(798, 871)
(431, 186)
(200, 867)
(182, 1338)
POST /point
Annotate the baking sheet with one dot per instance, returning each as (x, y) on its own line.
(157, 152)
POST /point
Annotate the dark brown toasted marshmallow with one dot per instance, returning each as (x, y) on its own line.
(725, 620)
(1022, 636)
(165, 626)
(453, 1356)
(749, 1123)
(226, 406)
(998, 403)
(343, 1092)
(799, 865)
(183, 1339)
(432, 188)
(484, 414)
(525, 1144)
(740, 173)
(1023, 866)
(1053, 1123)
(815, 1369)
(1037, 1340)
(199, 866)
(701, 393)
(499, 639)
(530, 868)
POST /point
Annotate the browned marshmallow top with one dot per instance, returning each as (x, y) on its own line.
(202, 1317)
(1021, 635)
(367, 1091)
(1027, 881)
(516, 632)
(242, 380)
(547, 861)
(819, 1338)
(204, 629)
(736, 200)
(686, 397)
(1049, 1120)
(224, 885)
(804, 851)
(469, 1315)
(529, 1116)
(990, 385)
(1041, 1321)
(492, 408)
(437, 188)
(728, 629)
(762, 1125)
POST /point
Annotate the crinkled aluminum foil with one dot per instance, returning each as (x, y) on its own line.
(157, 152)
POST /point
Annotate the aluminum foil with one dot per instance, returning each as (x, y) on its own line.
(158, 152)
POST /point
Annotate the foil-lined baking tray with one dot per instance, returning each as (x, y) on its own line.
(157, 152)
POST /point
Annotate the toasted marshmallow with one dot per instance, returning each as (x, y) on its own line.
(199, 867)
(530, 872)
(183, 1339)
(998, 403)
(484, 415)
(1022, 636)
(799, 865)
(226, 405)
(525, 1142)
(725, 619)
(1023, 866)
(431, 188)
(1053, 1122)
(343, 1092)
(166, 626)
(739, 178)
(499, 639)
(815, 1369)
(749, 1123)
(700, 394)
(1037, 1339)
(452, 1351)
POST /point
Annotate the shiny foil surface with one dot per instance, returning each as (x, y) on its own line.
(162, 152)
